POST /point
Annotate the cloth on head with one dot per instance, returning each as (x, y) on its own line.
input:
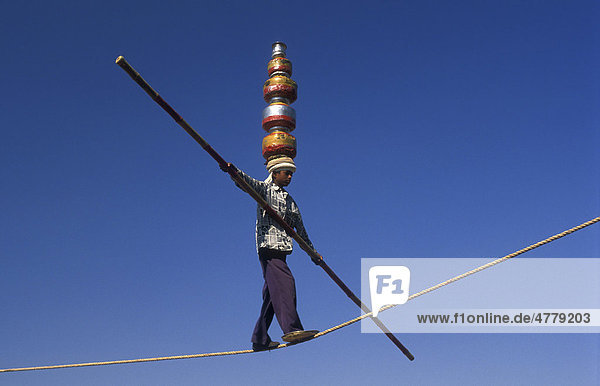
(281, 163)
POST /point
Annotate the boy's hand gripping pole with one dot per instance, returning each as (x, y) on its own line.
(247, 188)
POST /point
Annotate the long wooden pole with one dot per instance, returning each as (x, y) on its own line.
(261, 201)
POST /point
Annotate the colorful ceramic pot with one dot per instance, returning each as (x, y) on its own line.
(279, 143)
(280, 66)
(280, 86)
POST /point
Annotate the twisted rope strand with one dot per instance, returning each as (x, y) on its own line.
(324, 332)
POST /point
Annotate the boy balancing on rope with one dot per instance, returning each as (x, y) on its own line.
(273, 246)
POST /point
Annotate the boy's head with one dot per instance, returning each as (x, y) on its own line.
(282, 177)
(281, 170)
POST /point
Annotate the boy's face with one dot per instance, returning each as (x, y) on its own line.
(282, 178)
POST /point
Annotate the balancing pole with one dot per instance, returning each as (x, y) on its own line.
(264, 204)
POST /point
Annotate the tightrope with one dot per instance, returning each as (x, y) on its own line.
(324, 332)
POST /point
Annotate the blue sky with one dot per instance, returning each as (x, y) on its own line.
(425, 129)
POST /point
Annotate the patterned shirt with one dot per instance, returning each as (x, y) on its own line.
(269, 234)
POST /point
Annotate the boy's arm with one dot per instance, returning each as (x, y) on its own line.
(257, 185)
(299, 225)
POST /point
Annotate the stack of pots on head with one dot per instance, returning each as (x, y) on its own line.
(279, 118)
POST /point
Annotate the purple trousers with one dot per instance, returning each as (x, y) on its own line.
(279, 296)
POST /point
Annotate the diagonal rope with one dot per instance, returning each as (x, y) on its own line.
(324, 332)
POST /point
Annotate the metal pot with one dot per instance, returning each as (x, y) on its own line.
(279, 115)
